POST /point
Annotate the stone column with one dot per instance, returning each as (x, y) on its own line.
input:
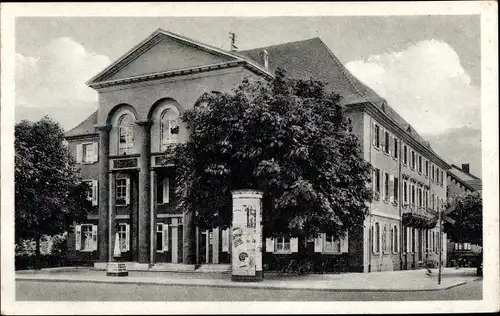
(103, 239)
(144, 217)
(111, 217)
(152, 249)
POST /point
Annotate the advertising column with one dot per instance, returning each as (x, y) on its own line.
(247, 236)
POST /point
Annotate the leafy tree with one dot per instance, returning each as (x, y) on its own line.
(468, 216)
(289, 138)
(49, 192)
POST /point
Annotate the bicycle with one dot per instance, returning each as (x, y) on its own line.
(340, 266)
(321, 265)
(303, 267)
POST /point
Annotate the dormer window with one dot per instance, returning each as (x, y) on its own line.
(126, 134)
(169, 127)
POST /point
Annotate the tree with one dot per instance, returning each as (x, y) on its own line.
(289, 138)
(49, 192)
(468, 216)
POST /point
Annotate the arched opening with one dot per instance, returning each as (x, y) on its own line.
(169, 127)
(125, 134)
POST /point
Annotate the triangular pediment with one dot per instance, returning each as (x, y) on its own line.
(163, 52)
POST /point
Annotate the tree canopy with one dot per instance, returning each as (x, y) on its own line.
(49, 192)
(468, 216)
(289, 138)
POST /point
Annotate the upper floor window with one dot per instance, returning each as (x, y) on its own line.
(376, 180)
(413, 159)
(432, 173)
(405, 155)
(169, 127)
(405, 191)
(386, 187)
(419, 164)
(87, 152)
(376, 135)
(396, 148)
(396, 190)
(442, 178)
(92, 192)
(126, 134)
(386, 142)
(426, 168)
(122, 189)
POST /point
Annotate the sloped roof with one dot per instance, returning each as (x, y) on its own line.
(466, 177)
(312, 58)
(84, 128)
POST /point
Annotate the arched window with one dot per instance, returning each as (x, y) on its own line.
(169, 128)
(126, 134)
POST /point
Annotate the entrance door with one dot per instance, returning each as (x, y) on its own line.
(205, 248)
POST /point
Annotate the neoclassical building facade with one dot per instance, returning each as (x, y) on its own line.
(120, 150)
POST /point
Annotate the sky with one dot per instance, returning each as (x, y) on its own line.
(426, 67)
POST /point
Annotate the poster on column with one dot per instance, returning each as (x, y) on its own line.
(244, 236)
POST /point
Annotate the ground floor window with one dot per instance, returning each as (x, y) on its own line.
(122, 191)
(124, 236)
(86, 237)
(395, 239)
(161, 237)
(376, 238)
(282, 244)
(331, 245)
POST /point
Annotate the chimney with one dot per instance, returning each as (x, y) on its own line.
(465, 167)
(265, 56)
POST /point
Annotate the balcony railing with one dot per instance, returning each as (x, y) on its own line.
(418, 216)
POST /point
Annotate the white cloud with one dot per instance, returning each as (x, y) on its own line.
(55, 79)
(425, 84)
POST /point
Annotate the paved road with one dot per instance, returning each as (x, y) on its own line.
(62, 291)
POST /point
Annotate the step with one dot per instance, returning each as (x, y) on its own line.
(172, 267)
(214, 268)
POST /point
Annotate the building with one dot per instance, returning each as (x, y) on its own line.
(141, 95)
(460, 181)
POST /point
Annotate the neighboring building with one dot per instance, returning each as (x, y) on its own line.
(460, 181)
(141, 95)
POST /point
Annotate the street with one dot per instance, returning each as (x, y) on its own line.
(68, 291)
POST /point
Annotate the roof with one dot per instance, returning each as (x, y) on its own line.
(311, 58)
(84, 128)
(465, 177)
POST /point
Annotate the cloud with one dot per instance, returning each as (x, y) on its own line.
(426, 84)
(55, 79)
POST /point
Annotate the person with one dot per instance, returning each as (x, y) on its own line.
(427, 265)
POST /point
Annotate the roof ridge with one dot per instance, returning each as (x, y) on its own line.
(467, 173)
(276, 45)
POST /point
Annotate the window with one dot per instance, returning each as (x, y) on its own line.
(376, 180)
(412, 193)
(86, 237)
(396, 190)
(169, 128)
(396, 148)
(163, 191)
(282, 244)
(426, 199)
(124, 236)
(405, 155)
(376, 135)
(426, 168)
(395, 239)
(432, 173)
(87, 153)
(387, 143)
(386, 186)
(126, 134)
(405, 192)
(405, 239)
(161, 237)
(330, 244)
(442, 178)
(92, 192)
(122, 189)
(419, 190)
(413, 159)
(412, 233)
(433, 201)
(376, 238)
(419, 164)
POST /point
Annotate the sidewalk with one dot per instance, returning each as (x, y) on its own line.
(413, 280)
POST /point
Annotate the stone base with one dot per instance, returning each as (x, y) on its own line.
(123, 273)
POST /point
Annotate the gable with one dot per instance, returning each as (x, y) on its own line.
(168, 54)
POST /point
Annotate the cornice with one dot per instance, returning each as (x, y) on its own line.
(82, 136)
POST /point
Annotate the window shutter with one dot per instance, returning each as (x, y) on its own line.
(225, 240)
(318, 243)
(165, 237)
(94, 237)
(269, 245)
(344, 244)
(127, 191)
(127, 237)
(79, 153)
(294, 244)
(391, 144)
(95, 191)
(96, 152)
(166, 190)
(382, 139)
(78, 237)
(373, 134)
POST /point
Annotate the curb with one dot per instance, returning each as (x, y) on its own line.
(236, 285)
